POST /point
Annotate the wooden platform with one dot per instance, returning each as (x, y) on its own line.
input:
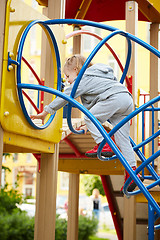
(72, 153)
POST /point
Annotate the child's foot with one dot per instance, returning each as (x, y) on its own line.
(106, 151)
(132, 185)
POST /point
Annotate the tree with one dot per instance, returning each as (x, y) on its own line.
(90, 182)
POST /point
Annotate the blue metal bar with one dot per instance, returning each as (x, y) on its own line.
(147, 140)
(153, 206)
(143, 159)
(133, 114)
(150, 109)
(152, 132)
(104, 134)
(106, 27)
(150, 222)
(19, 58)
(121, 123)
(87, 62)
(157, 227)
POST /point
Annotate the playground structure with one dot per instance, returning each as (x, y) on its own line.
(19, 132)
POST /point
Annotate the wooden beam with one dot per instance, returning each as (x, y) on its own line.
(154, 41)
(149, 11)
(131, 27)
(46, 209)
(129, 226)
(129, 218)
(81, 12)
(47, 181)
(73, 207)
(91, 166)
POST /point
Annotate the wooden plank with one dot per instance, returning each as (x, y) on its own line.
(129, 219)
(140, 198)
(154, 33)
(73, 207)
(47, 196)
(81, 12)
(131, 10)
(91, 166)
(148, 10)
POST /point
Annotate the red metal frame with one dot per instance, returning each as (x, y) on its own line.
(41, 82)
(112, 206)
(79, 32)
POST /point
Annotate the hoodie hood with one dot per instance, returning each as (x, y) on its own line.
(100, 70)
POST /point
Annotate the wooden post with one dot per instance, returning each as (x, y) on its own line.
(2, 32)
(129, 224)
(154, 30)
(129, 219)
(47, 179)
(47, 196)
(73, 200)
(131, 27)
(73, 207)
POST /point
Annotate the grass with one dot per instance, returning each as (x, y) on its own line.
(97, 238)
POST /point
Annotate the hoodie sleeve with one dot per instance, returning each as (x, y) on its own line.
(60, 102)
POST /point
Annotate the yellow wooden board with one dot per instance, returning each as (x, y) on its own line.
(155, 4)
(11, 115)
(91, 166)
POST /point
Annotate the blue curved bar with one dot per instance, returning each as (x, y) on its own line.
(72, 102)
(133, 114)
(103, 132)
(83, 69)
(106, 27)
(19, 58)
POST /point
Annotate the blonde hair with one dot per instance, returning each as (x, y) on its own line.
(75, 62)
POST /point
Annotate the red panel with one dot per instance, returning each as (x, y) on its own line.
(100, 10)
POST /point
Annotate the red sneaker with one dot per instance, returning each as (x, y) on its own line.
(132, 185)
(106, 151)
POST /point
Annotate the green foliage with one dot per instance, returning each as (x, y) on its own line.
(14, 223)
(90, 182)
(9, 200)
(16, 226)
(88, 226)
(61, 228)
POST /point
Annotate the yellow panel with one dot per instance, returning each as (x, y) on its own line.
(141, 198)
(88, 166)
(43, 2)
(11, 115)
(155, 4)
(14, 143)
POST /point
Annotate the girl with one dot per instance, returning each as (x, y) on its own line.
(105, 98)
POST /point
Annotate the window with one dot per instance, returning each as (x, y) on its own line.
(29, 178)
(64, 181)
(28, 192)
(89, 42)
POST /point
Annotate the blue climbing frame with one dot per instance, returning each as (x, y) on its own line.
(153, 207)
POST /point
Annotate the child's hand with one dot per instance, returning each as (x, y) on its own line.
(41, 116)
(84, 127)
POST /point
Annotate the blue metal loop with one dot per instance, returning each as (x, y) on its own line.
(87, 62)
(72, 102)
(19, 58)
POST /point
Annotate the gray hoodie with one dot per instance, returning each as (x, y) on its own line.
(97, 84)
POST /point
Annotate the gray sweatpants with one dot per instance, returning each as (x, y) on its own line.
(114, 108)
